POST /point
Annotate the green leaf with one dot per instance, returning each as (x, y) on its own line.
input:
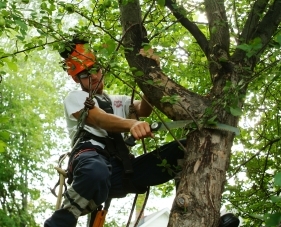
(236, 111)
(168, 137)
(12, 65)
(4, 119)
(272, 219)
(3, 4)
(212, 121)
(277, 179)
(213, 29)
(2, 146)
(150, 82)
(110, 46)
(275, 199)
(35, 194)
(278, 38)
(4, 135)
(244, 47)
(170, 99)
(161, 3)
(146, 46)
(139, 73)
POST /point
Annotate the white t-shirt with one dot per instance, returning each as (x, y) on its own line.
(74, 102)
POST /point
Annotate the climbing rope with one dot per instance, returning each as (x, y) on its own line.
(89, 104)
(133, 114)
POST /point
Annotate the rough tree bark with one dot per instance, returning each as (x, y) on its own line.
(198, 199)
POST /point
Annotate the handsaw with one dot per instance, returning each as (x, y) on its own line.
(160, 126)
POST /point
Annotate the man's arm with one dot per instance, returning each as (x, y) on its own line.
(112, 123)
(142, 107)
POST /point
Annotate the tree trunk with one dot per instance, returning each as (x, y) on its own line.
(198, 198)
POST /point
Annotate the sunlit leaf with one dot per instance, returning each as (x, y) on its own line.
(236, 111)
(277, 179)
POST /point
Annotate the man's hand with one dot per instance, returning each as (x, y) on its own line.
(89, 103)
(140, 130)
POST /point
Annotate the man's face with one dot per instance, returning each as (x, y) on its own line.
(96, 79)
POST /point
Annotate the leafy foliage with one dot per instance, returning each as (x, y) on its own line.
(31, 94)
(29, 108)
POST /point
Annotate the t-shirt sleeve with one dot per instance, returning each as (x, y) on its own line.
(74, 102)
(127, 103)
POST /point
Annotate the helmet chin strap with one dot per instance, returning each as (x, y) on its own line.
(83, 87)
(90, 90)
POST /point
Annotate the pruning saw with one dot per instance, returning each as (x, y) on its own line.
(160, 126)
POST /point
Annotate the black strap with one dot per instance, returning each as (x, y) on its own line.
(120, 147)
(122, 152)
(114, 143)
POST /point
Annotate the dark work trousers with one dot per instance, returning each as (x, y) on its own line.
(95, 178)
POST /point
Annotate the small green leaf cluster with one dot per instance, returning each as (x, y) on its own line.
(274, 219)
(4, 134)
(170, 99)
(252, 48)
(232, 99)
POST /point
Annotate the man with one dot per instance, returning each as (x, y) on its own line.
(100, 166)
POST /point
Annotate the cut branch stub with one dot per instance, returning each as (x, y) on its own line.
(182, 201)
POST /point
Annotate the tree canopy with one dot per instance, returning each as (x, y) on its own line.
(220, 62)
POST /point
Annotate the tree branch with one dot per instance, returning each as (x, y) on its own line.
(190, 26)
(253, 20)
(218, 24)
(269, 24)
(263, 30)
(270, 143)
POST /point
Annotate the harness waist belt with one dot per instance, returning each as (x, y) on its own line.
(85, 136)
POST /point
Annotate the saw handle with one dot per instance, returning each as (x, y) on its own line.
(130, 141)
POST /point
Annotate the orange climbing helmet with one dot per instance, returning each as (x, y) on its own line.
(79, 60)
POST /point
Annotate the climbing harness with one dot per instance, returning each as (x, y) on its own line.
(114, 145)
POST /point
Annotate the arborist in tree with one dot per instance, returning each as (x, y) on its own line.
(100, 165)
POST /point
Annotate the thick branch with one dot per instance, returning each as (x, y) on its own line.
(218, 25)
(269, 24)
(253, 20)
(264, 30)
(153, 82)
(156, 85)
(190, 26)
(175, 101)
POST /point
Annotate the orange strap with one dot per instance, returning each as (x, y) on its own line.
(82, 151)
(100, 218)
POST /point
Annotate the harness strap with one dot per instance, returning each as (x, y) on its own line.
(82, 151)
(122, 152)
(86, 136)
(69, 170)
(117, 140)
